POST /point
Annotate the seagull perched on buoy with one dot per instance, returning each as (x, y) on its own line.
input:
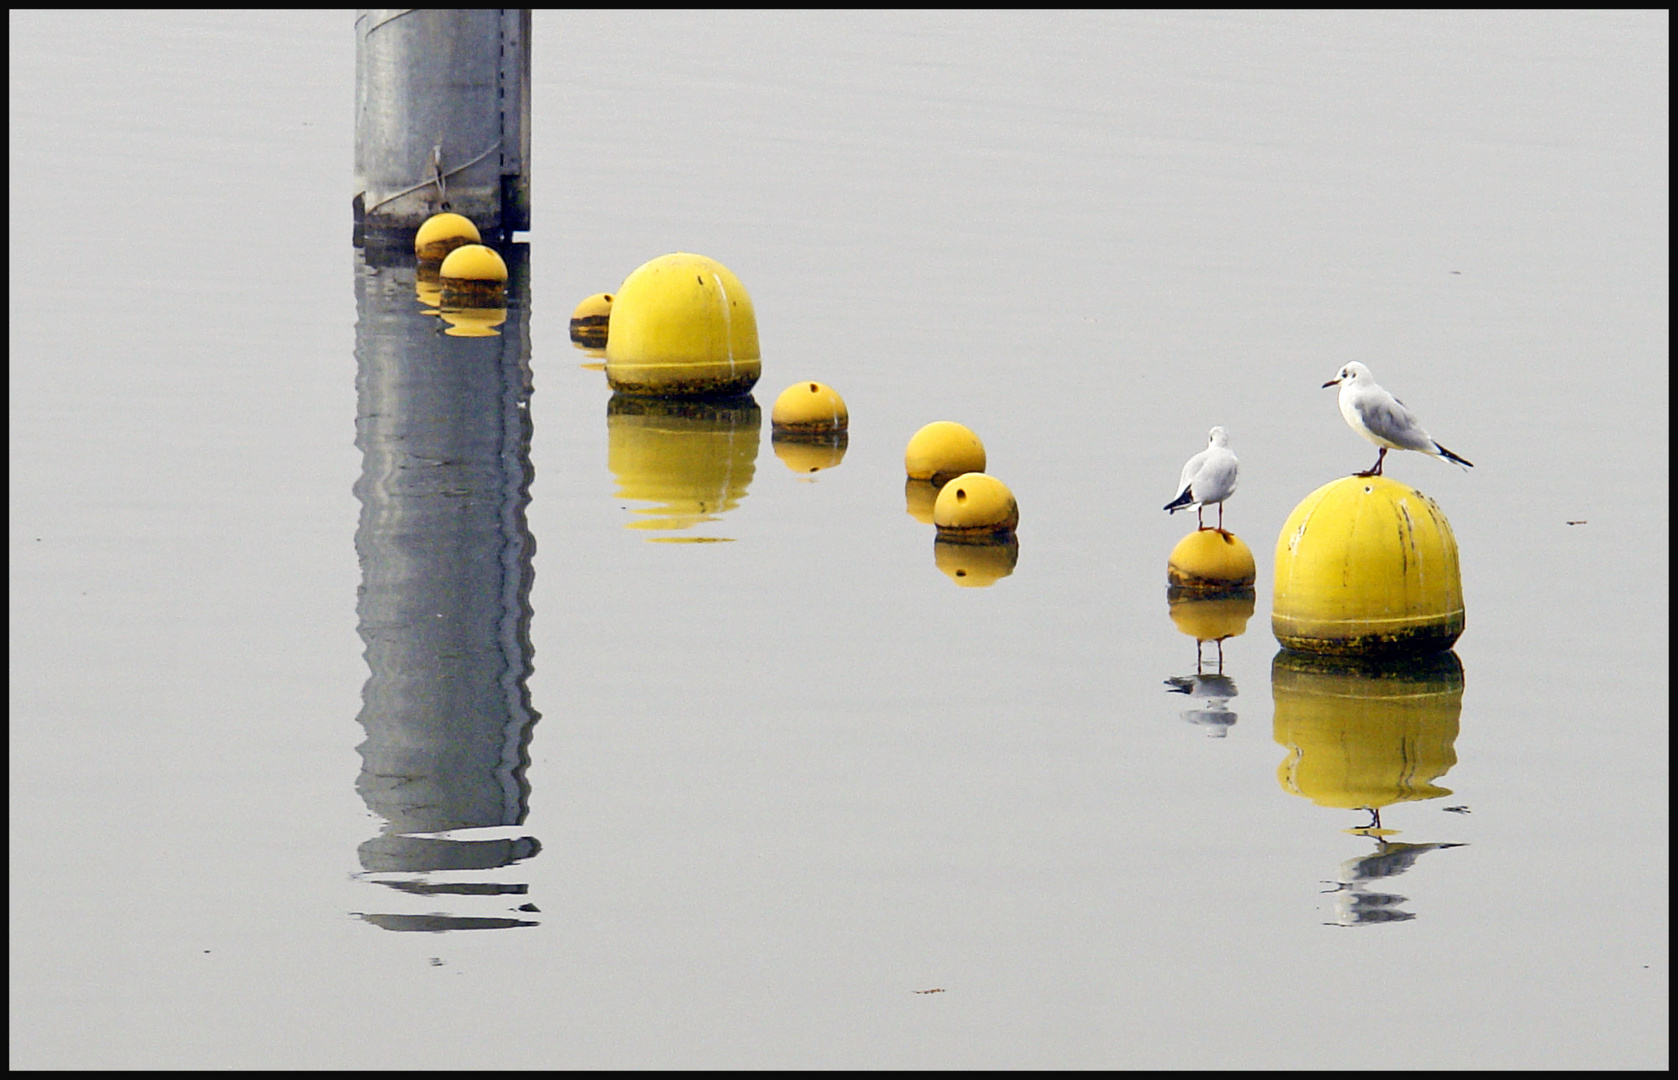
(1382, 418)
(1208, 478)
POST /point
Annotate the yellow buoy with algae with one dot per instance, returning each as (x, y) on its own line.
(683, 326)
(591, 321)
(974, 505)
(1210, 561)
(943, 449)
(809, 407)
(1367, 566)
(473, 276)
(441, 234)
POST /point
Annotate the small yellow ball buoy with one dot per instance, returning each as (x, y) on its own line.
(683, 326)
(943, 449)
(1367, 566)
(441, 234)
(1210, 561)
(473, 276)
(975, 505)
(591, 321)
(809, 407)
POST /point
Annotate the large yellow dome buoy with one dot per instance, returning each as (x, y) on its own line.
(683, 326)
(1367, 566)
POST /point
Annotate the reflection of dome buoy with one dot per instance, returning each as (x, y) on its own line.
(919, 497)
(943, 449)
(974, 505)
(810, 453)
(977, 564)
(591, 321)
(1366, 566)
(473, 276)
(1211, 619)
(1211, 615)
(690, 460)
(683, 326)
(441, 234)
(1361, 736)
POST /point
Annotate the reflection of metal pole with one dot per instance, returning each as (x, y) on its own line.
(443, 423)
(442, 117)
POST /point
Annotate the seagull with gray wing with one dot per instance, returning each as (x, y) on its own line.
(1382, 418)
(1209, 477)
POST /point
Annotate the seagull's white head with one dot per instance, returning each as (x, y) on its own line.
(1353, 372)
(1218, 437)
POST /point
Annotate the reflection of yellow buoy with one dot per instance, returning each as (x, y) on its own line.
(943, 449)
(473, 322)
(809, 407)
(1211, 561)
(473, 276)
(919, 496)
(1366, 566)
(441, 234)
(692, 460)
(1211, 619)
(974, 505)
(810, 453)
(974, 565)
(683, 326)
(1365, 737)
(591, 320)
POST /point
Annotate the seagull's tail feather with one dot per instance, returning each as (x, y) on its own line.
(1452, 457)
(1181, 502)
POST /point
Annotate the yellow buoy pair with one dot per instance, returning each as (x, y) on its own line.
(970, 502)
(1365, 567)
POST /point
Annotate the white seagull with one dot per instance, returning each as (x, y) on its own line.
(1208, 478)
(1382, 418)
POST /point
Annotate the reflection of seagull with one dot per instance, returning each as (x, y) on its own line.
(1382, 418)
(1389, 860)
(1206, 686)
(1357, 906)
(1209, 477)
(1216, 717)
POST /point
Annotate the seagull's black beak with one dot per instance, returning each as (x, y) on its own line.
(1331, 382)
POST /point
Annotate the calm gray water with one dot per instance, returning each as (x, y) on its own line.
(781, 785)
